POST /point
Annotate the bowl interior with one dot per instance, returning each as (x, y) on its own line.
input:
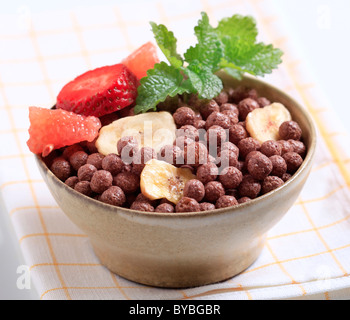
(299, 113)
(272, 93)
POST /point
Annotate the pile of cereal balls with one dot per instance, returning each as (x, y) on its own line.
(252, 169)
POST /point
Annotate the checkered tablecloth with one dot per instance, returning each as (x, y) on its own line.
(307, 254)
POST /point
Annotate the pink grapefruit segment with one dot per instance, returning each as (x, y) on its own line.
(142, 59)
(53, 129)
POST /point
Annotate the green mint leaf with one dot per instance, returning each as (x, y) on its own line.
(208, 50)
(161, 81)
(203, 81)
(231, 46)
(255, 58)
(167, 43)
(264, 58)
(243, 27)
(234, 73)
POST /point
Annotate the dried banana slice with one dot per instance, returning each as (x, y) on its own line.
(263, 123)
(160, 179)
(151, 129)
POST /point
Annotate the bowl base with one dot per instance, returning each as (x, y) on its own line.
(174, 274)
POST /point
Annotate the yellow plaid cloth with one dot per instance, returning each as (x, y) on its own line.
(307, 254)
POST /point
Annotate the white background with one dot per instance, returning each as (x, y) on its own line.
(320, 30)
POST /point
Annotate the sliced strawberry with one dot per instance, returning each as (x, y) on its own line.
(54, 129)
(142, 59)
(99, 91)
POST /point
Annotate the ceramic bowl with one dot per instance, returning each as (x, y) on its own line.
(178, 250)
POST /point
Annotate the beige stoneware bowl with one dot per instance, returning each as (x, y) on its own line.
(178, 250)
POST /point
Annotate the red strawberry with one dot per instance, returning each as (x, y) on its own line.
(99, 91)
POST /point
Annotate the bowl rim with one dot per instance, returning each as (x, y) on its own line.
(216, 212)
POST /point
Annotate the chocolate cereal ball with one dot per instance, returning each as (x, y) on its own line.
(242, 92)
(165, 208)
(249, 187)
(112, 163)
(230, 146)
(211, 158)
(243, 124)
(231, 177)
(198, 115)
(142, 206)
(215, 135)
(259, 166)
(142, 198)
(51, 157)
(232, 115)
(248, 145)
(232, 192)
(171, 154)
(182, 142)
(293, 160)
(227, 158)
(207, 172)
(243, 200)
(72, 181)
(130, 198)
(263, 102)
(230, 92)
(187, 205)
(84, 187)
(213, 191)
(61, 168)
(270, 148)
(286, 146)
(130, 144)
(279, 166)
(96, 160)
(298, 147)
(225, 202)
(246, 106)
(194, 189)
(114, 196)
(195, 154)
(237, 133)
(229, 107)
(251, 154)
(77, 159)
(199, 124)
(188, 131)
(290, 130)
(206, 206)
(286, 177)
(128, 181)
(193, 100)
(271, 183)
(86, 172)
(91, 146)
(208, 107)
(68, 151)
(184, 116)
(241, 166)
(222, 97)
(142, 156)
(101, 181)
(218, 119)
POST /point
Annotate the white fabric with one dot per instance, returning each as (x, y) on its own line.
(307, 254)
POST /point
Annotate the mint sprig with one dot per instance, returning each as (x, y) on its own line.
(231, 46)
(167, 43)
(161, 81)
